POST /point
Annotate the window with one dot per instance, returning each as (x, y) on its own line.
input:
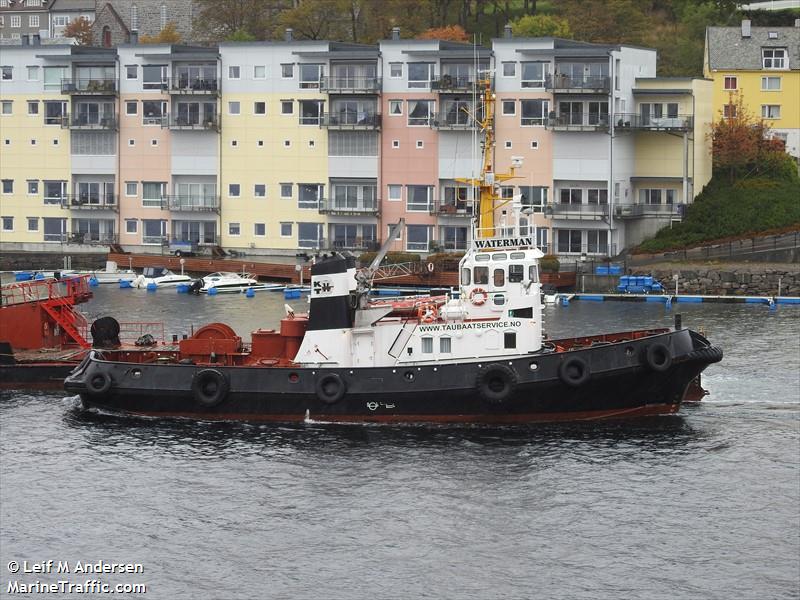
(597, 242)
(33, 107)
(131, 108)
(729, 111)
(153, 112)
(233, 72)
(774, 58)
(234, 229)
(8, 223)
(287, 143)
(396, 70)
(287, 107)
(481, 276)
(533, 74)
(597, 196)
(420, 112)
(444, 343)
(131, 71)
(16, 21)
(310, 112)
(33, 21)
(54, 191)
(131, 188)
(499, 278)
(310, 76)
(154, 77)
(259, 108)
(259, 72)
(131, 142)
(650, 196)
(53, 77)
(420, 144)
(395, 108)
(509, 108)
(466, 276)
(33, 73)
(309, 235)
(427, 345)
(533, 197)
(286, 190)
(570, 196)
(287, 71)
(131, 225)
(771, 111)
(33, 223)
(233, 190)
(286, 230)
(569, 240)
(259, 229)
(420, 74)
(8, 186)
(534, 112)
(6, 106)
(516, 273)
(234, 108)
(395, 192)
(508, 145)
(509, 69)
(731, 82)
(260, 190)
(6, 73)
(309, 195)
(419, 198)
(152, 192)
(33, 187)
(395, 143)
(417, 238)
(770, 83)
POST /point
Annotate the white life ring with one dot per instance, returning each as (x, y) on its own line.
(430, 266)
(478, 296)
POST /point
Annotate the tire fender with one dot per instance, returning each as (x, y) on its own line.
(330, 388)
(99, 384)
(210, 387)
(496, 383)
(657, 357)
(574, 371)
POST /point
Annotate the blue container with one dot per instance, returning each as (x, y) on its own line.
(655, 299)
(614, 270)
(151, 287)
(93, 282)
(787, 300)
(693, 299)
(212, 291)
(24, 276)
(124, 284)
(182, 288)
(601, 271)
(250, 293)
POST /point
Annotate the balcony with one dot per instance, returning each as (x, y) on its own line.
(362, 245)
(453, 84)
(190, 87)
(350, 85)
(90, 202)
(454, 121)
(461, 208)
(191, 203)
(97, 122)
(637, 122)
(591, 212)
(179, 241)
(350, 121)
(190, 123)
(564, 84)
(577, 122)
(91, 238)
(89, 87)
(328, 206)
(633, 211)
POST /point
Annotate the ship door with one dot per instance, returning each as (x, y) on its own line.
(364, 349)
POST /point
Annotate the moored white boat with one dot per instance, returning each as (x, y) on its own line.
(160, 277)
(226, 281)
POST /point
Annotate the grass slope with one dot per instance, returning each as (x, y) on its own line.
(723, 210)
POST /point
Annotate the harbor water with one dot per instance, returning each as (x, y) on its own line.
(705, 504)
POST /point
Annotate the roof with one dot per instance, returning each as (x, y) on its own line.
(72, 5)
(728, 50)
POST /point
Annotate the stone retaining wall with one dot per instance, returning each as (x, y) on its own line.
(717, 282)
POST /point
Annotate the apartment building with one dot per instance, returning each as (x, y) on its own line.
(40, 19)
(760, 66)
(275, 147)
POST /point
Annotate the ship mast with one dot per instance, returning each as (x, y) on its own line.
(488, 182)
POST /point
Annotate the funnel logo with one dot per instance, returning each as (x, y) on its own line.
(322, 287)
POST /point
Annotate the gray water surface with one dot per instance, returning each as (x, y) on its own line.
(702, 505)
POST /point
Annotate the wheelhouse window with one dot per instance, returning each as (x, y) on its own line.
(481, 275)
(516, 273)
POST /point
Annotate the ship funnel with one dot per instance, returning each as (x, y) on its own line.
(332, 280)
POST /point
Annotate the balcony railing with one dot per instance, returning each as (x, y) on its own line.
(185, 85)
(453, 84)
(578, 122)
(101, 122)
(350, 85)
(595, 212)
(355, 244)
(196, 242)
(565, 84)
(460, 208)
(341, 120)
(651, 123)
(453, 120)
(316, 244)
(98, 87)
(92, 238)
(564, 249)
(632, 211)
(191, 122)
(341, 207)
(90, 202)
(191, 203)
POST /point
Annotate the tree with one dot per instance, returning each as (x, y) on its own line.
(741, 144)
(318, 20)
(219, 19)
(606, 21)
(168, 35)
(453, 33)
(81, 30)
(241, 35)
(541, 26)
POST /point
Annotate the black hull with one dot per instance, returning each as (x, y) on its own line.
(620, 383)
(35, 376)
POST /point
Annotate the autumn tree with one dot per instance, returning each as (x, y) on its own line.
(220, 19)
(541, 26)
(81, 30)
(168, 35)
(606, 21)
(453, 33)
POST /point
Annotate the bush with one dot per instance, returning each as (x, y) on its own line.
(444, 257)
(391, 258)
(549, 264)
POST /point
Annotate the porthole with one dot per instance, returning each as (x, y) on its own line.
(409, 375)
(628, 350)
(533, 366)
(136, 373)
(294, 377)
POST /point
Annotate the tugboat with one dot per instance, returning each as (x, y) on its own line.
(479, 358)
